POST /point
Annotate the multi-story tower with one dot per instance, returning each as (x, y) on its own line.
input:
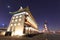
(22, 22)
(45, 28)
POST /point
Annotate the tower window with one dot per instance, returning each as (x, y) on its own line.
(16, 16)
(20, 16)
(15, 24)
(16, 20)
(18, 23)
(19, 19)
(11, 24)
(13, 18)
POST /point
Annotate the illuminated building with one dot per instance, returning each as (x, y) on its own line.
(2, 31)
(45, 28)
(22, 22)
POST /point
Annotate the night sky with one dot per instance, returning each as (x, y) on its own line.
(41, 10)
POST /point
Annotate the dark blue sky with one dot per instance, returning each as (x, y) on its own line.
(41, 10)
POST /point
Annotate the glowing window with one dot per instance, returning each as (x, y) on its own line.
(16, 16)
(20, 16)
(19, 19)
(26, 28)
(11, 24)
(26, 13)
(16, 20)
(12, 20)
(18, 23)
(13, 17)
(14, 24)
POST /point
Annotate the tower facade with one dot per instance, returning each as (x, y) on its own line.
(22, 22)
(45, 27)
